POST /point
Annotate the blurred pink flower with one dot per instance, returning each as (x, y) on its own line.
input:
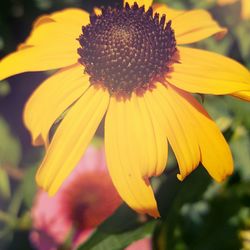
(143, 244)
(84, 201)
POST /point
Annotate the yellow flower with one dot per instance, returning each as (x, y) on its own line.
(126, 66)
(245, 6)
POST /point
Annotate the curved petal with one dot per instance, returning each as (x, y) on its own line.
(70, 15)
(205, 72)
(71, 139)
(51, 99)
(146, 3)
(243, 95)
(216, 156)
(179, 130)
(52, 44)
(191, 26)
(136, 149)
(194, 136)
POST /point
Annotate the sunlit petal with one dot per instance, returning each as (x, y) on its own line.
(193, 135)
(51, 99)
(131, 162)
(71, 139)
(146, 3)
(200, 71)
(52, 44)
(191, 26)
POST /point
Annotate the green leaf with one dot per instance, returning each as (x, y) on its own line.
(29, 186)
(244, 44)
(119, 231)
(4, 184)
(10, 149)
(219, 46)
(240, 145)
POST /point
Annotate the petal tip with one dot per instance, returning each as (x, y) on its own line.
(223, 31)
(180, 177)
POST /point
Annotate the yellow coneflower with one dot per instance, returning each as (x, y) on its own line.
(245, 6)
(126, 65)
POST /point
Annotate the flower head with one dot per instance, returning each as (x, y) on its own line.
(127, 66)
(83, 202)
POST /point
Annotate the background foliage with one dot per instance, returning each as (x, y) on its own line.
(197, 214)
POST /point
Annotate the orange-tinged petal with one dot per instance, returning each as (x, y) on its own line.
(193, 135)
(146, 3)
(51, 99)
(179, 130)
(200, 71)
(216, 156)
(72, 138)
(135, 151)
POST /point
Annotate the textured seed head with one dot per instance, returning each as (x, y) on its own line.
(126, 49)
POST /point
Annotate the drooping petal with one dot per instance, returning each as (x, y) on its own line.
(191, 26)
(216, 156)
(51, 99)
(194, 136)
(159, 126)
(179, 130)
(146, 3)
(52, 44)
(136, 149)
(71, 139)
(200, 71)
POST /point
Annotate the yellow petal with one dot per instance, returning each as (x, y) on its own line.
(243, 95)
(51, 99)
(33, 59)
(71, 139)
(193, 135)
(179, 129)
(70, 15)
(170, 13)
(146, 3)
(97, 11)
(215, 153)
(245, 9)
(52, 44)
(200, 71)
(136, 149)
(159, 127)
(191, 26)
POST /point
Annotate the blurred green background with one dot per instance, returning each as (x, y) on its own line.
(197, 214)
